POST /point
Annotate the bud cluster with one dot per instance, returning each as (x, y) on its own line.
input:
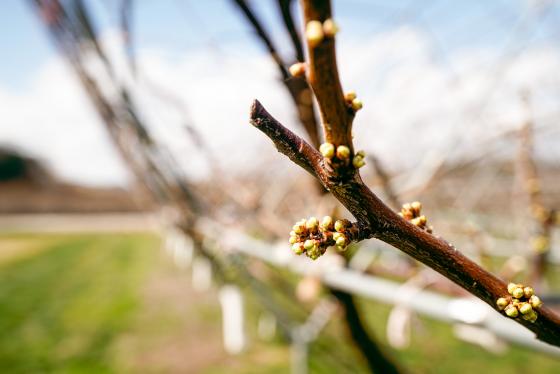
(523, 302)
(341, 155)
(411, 212)
(315, 31)
(312, 238)
(352, 101)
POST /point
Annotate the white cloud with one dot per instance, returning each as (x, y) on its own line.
(413, 103)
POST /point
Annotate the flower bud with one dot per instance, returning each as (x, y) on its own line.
(297, 69)
(297, 248)
(511, 311)
(309, 244)
(327, 222)
(358, 162)
(314, 33)
(511, 287)
(327, 150)
(349, 96)
(312, 224)
(535, 301)
(518, 293)
(299, 228)
(341, 241)
(330, 28)
(525, 308)
(293, 239)
(416, 206)
(342, 152)
(528, 291)
(357, 104)
(339, 226)
(502, 303)
(531, 316)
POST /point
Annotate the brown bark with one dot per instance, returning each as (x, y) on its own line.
(376, 220)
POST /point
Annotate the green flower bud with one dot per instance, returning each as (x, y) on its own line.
(502, 303)
(528, 292)
(531, 316)
(518, 293)
(525, 308)
(312, 224)
(309, 244)
(297, 248)
(337, 235)
(293, 239)
(535, 301)
(511, 287)
(339, 226)
(357, 104)
(511, 311)
(358, 162)
(343, 152)
(327, 222)
(327, 150)
(341, 241)
(299, 227)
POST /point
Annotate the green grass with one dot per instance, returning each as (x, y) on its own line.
(62, 309)
(115, 304)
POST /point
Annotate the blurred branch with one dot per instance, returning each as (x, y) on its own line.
(288, 18)
(385, 180)
(543, 219)
(126, 29)
(377, 360)
(296, 86)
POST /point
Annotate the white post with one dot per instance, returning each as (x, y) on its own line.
(231, 300)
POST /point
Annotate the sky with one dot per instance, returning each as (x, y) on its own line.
(437, 78)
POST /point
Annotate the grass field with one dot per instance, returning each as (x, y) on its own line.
(114, 303)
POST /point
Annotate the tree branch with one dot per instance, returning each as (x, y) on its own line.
(322, 75)
(288, 143)
(379, 221)
(288, 18)
(297, 86)
(377, 360)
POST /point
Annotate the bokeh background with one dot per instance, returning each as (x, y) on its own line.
(96, 276)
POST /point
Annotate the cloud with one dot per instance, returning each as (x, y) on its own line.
(414, 104)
